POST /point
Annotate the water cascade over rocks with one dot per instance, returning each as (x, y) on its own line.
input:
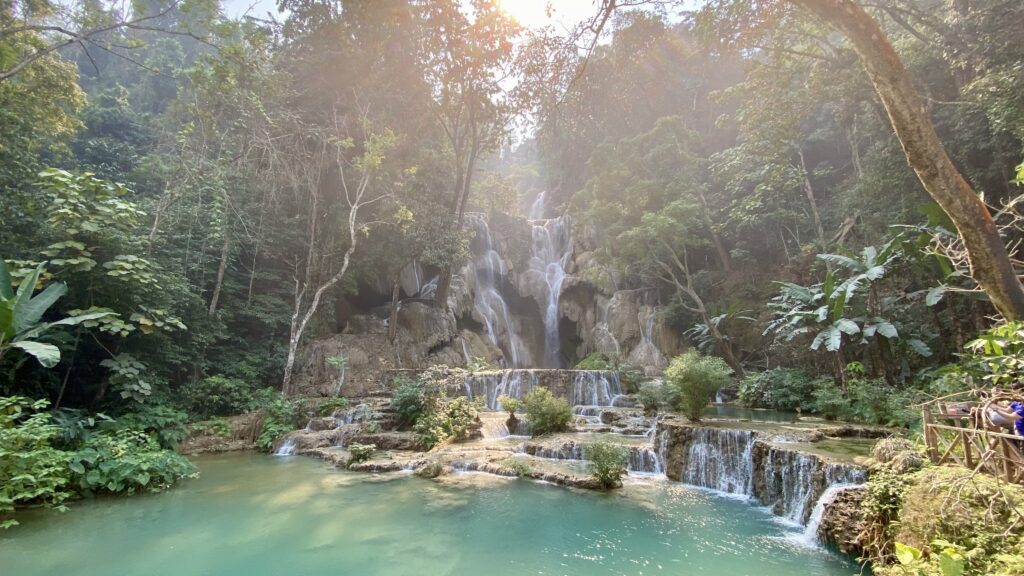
(578, 387)
(552, 249)
(739, 462)
(488, 303)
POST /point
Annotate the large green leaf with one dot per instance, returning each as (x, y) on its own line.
(6, 291)
(28, 314)
(47, 354)
(7, 319)
(69, 321)
(831, 337)
(25, 289)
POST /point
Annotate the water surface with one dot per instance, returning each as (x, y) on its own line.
(256, 515)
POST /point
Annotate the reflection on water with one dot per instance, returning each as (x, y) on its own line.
(256, 515)
(741, 413)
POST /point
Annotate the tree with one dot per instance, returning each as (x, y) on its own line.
(695, 379)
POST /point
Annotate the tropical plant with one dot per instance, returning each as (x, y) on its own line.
(448, 420)
(606, 462)
(32, 471)
(695, 379)
(332, 405)
(359, 453)
(652, 396)
(546, 412)
(279, 417)
(594, 361)
(997, 355)
(478, 364)
(408, 401)
(216, 395)
(21, 316)
(126, 461)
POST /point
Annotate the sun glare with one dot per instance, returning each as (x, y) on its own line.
(540, 13)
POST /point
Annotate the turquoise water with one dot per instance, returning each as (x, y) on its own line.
(256, 515)
(740, 412)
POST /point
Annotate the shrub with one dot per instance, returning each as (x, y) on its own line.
(478, 364)
(545, 412)
(126, 461)
(408, 401)
(510, 404)
(331, 405)
(829, 401)
(594, 361)
(778, 388)
(162, 421)
(696, 378)
(216, 396)
(516, 465)
(280, 416)
(216, 427)
(630, 377)
(359, 453)
(32, 471)
(606, 462)
(651, 396)
(449, 420)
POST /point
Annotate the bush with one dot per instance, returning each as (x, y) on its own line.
(162, 421)
(778, 388)
(126, 461)
(545, 412)
(216, 396)
(594, 361)
(479, 364)
(829, 402)
(510, 404)
(331, 405)
(280, 416)
(516, 465)
(32, 471)
(696, 378)
(216, 427)
(606, 462)
(359, 453)
(449, 420)
(408, 401)
(651, 396)
(631, 378)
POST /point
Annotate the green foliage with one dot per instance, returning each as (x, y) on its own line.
(408, 401)
(478, 364)
(631, 377)
(510, 404)
(652, 396)
(606, 462)
(594, 361)
(32, 471)
(126, 461)
(545, 412)
(331, 405)
(518, 465)
(21, 316)
(359, 453)
(126, 376)
(218, 427)
(216, 395)
(997, 355)
(445, 420)
(165, 423)
(695, 379)
(779, 388)
(280, 416)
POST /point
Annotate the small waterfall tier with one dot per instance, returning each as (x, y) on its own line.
(737, 461)
(578, 387)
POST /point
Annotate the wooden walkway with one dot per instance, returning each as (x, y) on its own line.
(962, 433)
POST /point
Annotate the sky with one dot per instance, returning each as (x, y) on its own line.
(529, 13)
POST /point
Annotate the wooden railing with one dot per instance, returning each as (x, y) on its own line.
(962, 433)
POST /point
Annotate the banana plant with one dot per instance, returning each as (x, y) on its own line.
(21, 316)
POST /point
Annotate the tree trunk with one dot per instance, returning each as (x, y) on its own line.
(225, 253)
(393, 317)
(819, 230)
(723, 254)
(989, 261)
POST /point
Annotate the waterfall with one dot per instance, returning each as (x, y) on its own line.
(552, 248)
(644, 460)
(488, 302)
(537, 208)
(287, 448)
(490, 385)
(721, 460)
(809, 537)
(595, 388)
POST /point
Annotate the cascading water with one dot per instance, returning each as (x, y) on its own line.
(595, 388)
(809, 537)
(552, 248)
(490, 385)
(287, 448)
(537, 208)
(488, 302)
(721, 460)
(644, 460)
